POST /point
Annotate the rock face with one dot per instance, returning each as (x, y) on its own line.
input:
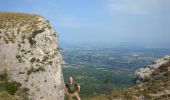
(146, 72)
(154, 84)
(30, 56)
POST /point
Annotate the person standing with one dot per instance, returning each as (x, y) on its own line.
(72, 89)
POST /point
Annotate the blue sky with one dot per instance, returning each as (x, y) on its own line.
(102, 22)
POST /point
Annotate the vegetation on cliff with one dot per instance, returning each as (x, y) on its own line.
(154, 87)
(9, 89)
(29, 53)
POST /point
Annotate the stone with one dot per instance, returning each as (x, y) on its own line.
(29, 54)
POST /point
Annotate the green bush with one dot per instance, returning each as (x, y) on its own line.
(33, 60)
(3, 77)
(19, 58)
(34, 70)
(12, 87)
(146, 79)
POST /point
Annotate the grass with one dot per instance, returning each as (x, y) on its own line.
(35, 70)
(154, 85)
(16, 18)
(10, 86)
(11, 20)
(6, 96)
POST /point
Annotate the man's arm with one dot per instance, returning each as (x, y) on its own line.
(66, 89)
(78, 88)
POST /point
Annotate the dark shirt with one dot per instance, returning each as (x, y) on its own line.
(71, 87)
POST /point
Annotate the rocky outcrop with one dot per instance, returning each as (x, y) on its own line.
(153, 84)
(30, 56)
(147, 71)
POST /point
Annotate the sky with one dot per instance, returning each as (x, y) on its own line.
(144, 23)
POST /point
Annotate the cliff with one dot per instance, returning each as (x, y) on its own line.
(151, 83)
(144, 73)
(30, 59)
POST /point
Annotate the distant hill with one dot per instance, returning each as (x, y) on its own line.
(151, 83)
(30, 59)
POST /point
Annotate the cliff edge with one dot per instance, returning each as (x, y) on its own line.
(30, 59)
(151, 83)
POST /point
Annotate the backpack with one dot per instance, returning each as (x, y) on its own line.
(71, 87)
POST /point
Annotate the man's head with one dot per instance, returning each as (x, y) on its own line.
(71, 79)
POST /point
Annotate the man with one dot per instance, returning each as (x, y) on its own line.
(72, 89)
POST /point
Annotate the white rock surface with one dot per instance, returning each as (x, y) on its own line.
(147, 71)
(30, 55)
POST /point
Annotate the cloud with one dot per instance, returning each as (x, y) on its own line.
(138, 6)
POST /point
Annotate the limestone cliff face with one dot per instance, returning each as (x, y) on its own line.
(146, 72)
(29, 54)
(153, 84)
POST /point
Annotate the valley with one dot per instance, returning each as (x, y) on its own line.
(100, 71)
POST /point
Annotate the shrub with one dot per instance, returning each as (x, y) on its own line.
(33, 60)
(19, 58)
(34, 70)
(31, 41)
(146, 79)
(45, 58)
(12, 87)
(4, 76)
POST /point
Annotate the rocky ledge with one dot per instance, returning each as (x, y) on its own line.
(144, 73)
(151, 83)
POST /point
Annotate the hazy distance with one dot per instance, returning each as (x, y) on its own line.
(142, 23)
